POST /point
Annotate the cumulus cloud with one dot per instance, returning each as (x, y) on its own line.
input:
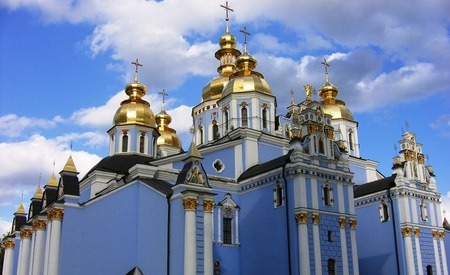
(12, 125)
(442, 125)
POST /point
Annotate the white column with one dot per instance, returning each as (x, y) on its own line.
(208, 237)
(407, 232)
(354, 249)
(443, 254)
(8, 260)
(436, 252)
(190, 246)
(47, 243)
(236, 219)
(342, 224)
(55, 241)
(31, 257)
(303, 246)
(316, 239)
(24, 253)
(418, 253)
(38, 251)
(219, 222)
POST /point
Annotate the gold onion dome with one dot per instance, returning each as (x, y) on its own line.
(333, 106)
(168, 135)
(227, 55)
(135, 110)
(246, 79)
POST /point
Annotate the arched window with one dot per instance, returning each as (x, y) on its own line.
(423, 211)
(226, 121)
(264, 118)
(321, 146)
(327, 194)
(125, 143)
(384, 211)
(244, 117)
(331, 266)
(228, 221)
(350, 139)
(142, 143)
(200, 134)
(215, 132)
(278, 199)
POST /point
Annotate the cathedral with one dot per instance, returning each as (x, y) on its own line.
(257, 192)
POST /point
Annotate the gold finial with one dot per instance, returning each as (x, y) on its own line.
(136, 71)
(245, 32)
(227, 9)
(326, 64)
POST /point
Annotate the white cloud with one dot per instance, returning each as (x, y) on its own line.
(5, 226)
(12, 125)
(445, 206)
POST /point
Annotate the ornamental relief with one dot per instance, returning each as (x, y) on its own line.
(416, 232)
(315, 218)
(208, 205)
(9, 244)
(301, 217)
(406, 231)
(342, 222)
(39, 225)
(190, 203)
(442, 235)
(353, 224)
(26, 233)
(435, 234)
(55, 214)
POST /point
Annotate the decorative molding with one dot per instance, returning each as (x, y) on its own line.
(301, 217)
(55, 214)
(208, 205)
(39, 225)
(353, 224)
(342, 222)
(435, 234)
(416, 232)
(26, 233)
(316, 218)
(442, 235)
(406, 231)
(190, 203)
(9, 244)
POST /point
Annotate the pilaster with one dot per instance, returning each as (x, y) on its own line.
(190, 249)
(303, 245)
(407, 233)
(208, 206)
(8, 260)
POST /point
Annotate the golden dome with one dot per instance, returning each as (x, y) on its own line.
(227, 55)
(333, 106)
(135, 110)
(168, 135)
(246, 79)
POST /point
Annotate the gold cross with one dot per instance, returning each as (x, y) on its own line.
(325, 63)
(137, 64)
(227, 9)
(245, 32)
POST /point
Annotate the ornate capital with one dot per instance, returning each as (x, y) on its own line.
(55, 214)
(190, 203)
(9, 244)
(39, 225)
(301, 217)
(343, 222)
(208, 205)
(315, 218)
(407, 231)
(353, 224)
(416, 232)
(435, 234)
(26, 233)
(442, 235)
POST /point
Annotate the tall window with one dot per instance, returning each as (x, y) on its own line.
(321, 146)
(125, 143)
(327, 194)
(384, 211)
(264, 118)
(423, 211)
(350, 139)
(244, 117)
(429, 270)
(278, 195)
(200, 133)
(226, 121)
(215, 132)
(227, 230)
(142, 143)
(331, 266)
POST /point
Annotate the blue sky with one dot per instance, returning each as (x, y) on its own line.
(64, 64)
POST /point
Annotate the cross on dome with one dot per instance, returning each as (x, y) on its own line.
(245, 32)
(136, 71)
(164, 94)
(326, 64)
(227, 9)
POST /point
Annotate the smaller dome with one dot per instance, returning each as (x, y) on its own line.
(135, 110)
(168, 136)
(333, 106)
(227, 41)
(249, 83)
(213, 90)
